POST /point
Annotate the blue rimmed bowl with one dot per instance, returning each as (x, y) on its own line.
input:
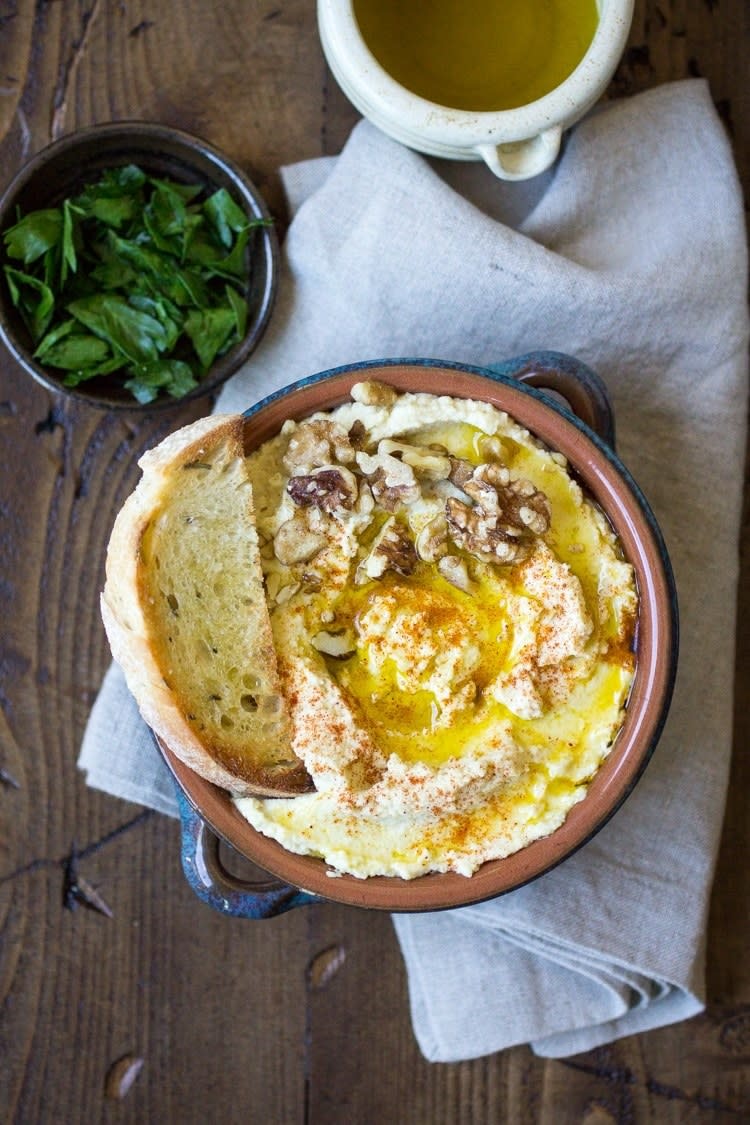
(565, 405)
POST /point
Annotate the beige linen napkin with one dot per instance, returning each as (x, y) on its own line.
(629, 254)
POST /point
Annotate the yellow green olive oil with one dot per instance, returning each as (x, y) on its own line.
(478, 54)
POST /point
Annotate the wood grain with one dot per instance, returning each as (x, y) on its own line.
(302, 1019)
(16, 26)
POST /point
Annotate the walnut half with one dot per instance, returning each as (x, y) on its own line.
(392, 481)
(371, 392)
(330, 488)
(502, 516)
(317, 442)
(392, 549)
(296, 541)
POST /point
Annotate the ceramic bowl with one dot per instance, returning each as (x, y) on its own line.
(80, 157)
(512, 387)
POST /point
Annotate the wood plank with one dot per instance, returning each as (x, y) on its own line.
(259, 1022)
(165, 978)
(729, 918)
(16, 30)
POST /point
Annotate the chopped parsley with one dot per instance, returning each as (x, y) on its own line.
(134, 276)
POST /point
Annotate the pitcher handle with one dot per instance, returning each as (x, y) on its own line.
(521, 160)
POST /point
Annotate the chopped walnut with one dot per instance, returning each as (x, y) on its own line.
(494, 473)
(330, 488)
(472, 530)
(460, 472)
(455, 571)
(392, 481)
(392, 496)
(311, 581)
(392, 550)
(287, 592)
(426, 462)
(526, 505)
(357, 434)
(483, 494)
(505, 515)
(296, 541)
(492, 448)
(339, 644)
(372, 393)
(432, 540)
(366, 500)
(316, 442)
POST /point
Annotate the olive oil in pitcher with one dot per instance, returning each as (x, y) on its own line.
(483, 55)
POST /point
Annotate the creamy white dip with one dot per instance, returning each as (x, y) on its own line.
(449, 712)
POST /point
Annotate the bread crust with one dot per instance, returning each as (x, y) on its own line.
(134, 648)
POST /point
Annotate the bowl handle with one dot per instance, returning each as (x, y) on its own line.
(571, 383)
(219, 888)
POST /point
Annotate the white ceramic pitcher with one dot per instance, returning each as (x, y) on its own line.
(516, 144)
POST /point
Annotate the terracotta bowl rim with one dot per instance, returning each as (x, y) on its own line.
(622, 769)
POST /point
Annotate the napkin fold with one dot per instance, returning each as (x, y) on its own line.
(631, 255)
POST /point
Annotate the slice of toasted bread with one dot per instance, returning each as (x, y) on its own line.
(185, 613)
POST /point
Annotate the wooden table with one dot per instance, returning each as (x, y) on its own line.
(235, 1020)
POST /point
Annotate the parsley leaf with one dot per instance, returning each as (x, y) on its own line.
(34, 235)
(34, 300)
(210, 330)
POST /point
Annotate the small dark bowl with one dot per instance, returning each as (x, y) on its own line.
(81, 157)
